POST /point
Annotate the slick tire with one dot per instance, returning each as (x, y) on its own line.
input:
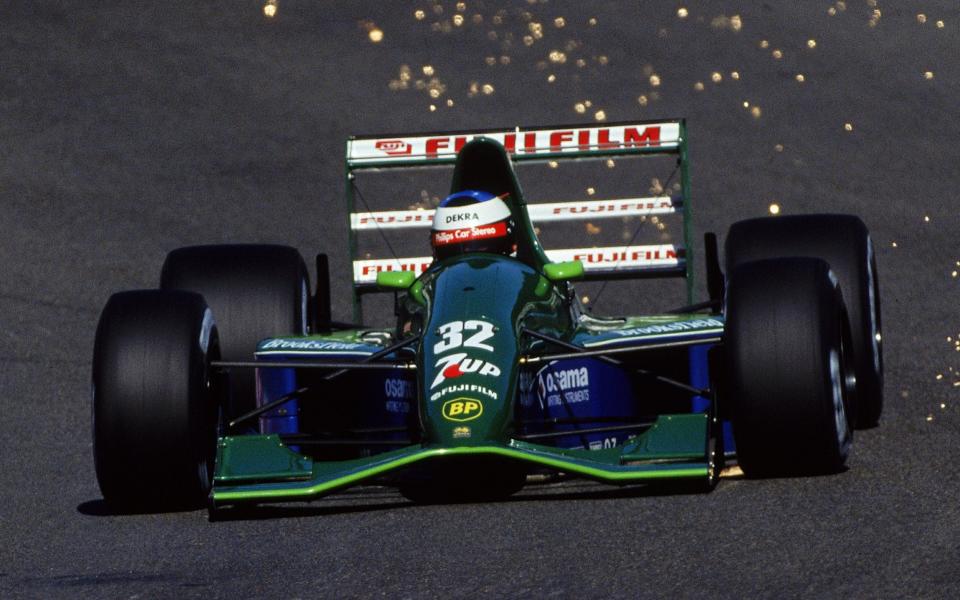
(786, 370)
(154, 400)
(844, 243)
(255, 292)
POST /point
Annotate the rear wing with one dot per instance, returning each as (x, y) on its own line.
(528, 144)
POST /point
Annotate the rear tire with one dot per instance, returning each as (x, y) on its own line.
(255, 292)
(154, 403)
(786, 368)
(844, 242)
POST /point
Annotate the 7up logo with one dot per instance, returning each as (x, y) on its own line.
(455, 365)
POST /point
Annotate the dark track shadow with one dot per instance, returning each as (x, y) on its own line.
(100, 508)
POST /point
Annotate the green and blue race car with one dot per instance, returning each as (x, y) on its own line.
(231, 384)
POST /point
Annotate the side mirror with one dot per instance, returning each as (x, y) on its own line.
(395, 280)
(563, 271)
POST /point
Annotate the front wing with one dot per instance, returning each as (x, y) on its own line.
(261, 469)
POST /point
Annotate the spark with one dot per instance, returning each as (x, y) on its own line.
(928, 75)
(487, 89)
(939, 24)
(580, 107)
(848, 126)
(698, 86)
(611, 164)
(591, 191)
(592, 22)
(376, 35)
(270, 9)
(600, 115)
(457, 20)
(811, 43)
(778, 147)
(716, 77)
(559, 22)
(777, 54)
(557, 57)
(764, 44)
(551, 78)
(433, 108)
(682, 12)
(642, 100)
(755, 112)
(427, 70)
(553, 164)
(654, 80)
(801, 78)
(735, 75)
(419, 15)
(774, 209)
(926, 218)
(921, 18)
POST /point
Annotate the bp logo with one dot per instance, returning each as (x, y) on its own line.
(462, 409)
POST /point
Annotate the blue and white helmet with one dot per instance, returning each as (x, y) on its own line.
(472, 221)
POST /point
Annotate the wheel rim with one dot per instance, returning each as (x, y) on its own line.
(875, 335)
(839, 412)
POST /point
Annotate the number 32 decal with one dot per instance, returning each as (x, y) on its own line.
(453, 335)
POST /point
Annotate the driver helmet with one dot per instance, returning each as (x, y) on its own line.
(472, 221)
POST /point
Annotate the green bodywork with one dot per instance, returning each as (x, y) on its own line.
(470, 312)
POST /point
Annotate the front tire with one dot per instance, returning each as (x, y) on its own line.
(154, 403)
(787, 370)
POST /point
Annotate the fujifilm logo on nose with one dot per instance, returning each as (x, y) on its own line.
(462, 217)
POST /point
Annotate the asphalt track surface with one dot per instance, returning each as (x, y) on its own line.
(128, 129)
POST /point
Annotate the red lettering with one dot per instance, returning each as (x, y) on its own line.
(603, 139)
(436, 144)
(510, 142)
(649, 137)
(583, 139)
(557, 138)
(458, 143)
(530, 142)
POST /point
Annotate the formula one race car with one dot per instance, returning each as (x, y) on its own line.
(231, 384)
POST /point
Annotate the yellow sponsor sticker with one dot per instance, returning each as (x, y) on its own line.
(462, 409)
